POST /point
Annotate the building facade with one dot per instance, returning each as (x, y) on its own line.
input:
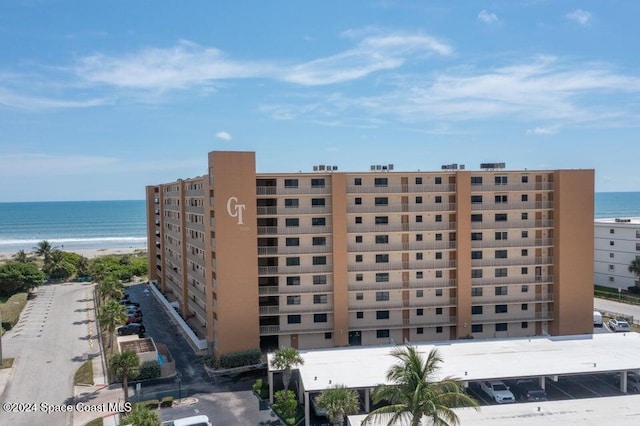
(617, 243)
(330, 258)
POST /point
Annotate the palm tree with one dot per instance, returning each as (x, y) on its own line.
(285, 359)
(44, 249)
(141, 416)
(339, 402)
(413, 392)
(22, 257)
(125, 365)
(634, 267)
(110, 289)
(112, 314)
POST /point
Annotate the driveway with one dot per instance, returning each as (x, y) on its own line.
(617, 307)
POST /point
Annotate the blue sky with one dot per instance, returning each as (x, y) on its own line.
(99, 99)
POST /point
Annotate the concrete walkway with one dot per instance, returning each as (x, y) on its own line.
(617, 307)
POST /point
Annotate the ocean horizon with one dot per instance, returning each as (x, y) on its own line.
(81, 225)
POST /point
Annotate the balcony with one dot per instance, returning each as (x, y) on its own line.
(284, 250)
(306, 308)
(294, 289)
(269, 310)
(294, 270)
(400, 208)
(524, 242)
(521, 187)
(293, 230)
(405, 189)
(280, 190)
(506, 300)
(293, 211)
(506, 317)
(515, 224)
(532, 280)
(400, 227)
(531, 205)
(414, 245)
(394, 266)
(295, 329)
(517, 261)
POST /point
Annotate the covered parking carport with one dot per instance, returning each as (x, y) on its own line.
(363, 368)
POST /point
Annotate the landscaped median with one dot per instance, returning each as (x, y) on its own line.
(11, 309)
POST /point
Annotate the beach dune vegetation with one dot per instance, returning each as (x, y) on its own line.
(17, 277)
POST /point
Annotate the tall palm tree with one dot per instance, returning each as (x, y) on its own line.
(634, 267)
(141, 416)
(339, 402)
(112, 314)
(413, 392)
(44, 249)
(125, 365)
(285, 359)
(22, 257)
(110, 289)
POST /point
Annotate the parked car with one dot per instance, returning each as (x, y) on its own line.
(498, 391)
(618, 325)
(133, 310)
(130, 329)
(127, 302)
(134, 319)
(527, 390)
(633, 381)
(200, 420)
(597, 319)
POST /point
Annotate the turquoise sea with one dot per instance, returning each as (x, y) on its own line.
(122, 224)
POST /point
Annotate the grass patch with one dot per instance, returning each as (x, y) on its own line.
(84, 375)
(6, 363)
(11, 309)
(95, 422)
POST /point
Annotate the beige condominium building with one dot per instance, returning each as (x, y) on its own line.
(331, 258)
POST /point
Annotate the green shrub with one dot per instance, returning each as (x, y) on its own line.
(261, 389)
(166, 402)
(240, 359)
(149, 370)
(151, 404)
(285, 404)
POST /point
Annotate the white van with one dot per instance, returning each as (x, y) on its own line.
(191, 421)
(597, 319)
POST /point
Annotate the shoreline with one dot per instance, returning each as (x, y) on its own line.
(89, 253)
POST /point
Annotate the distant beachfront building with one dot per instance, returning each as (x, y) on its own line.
(330, 258)
(617, 243)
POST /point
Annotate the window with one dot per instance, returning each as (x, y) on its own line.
(476, 310)
(524, 252)
(293, 261)
(359, 315)
(419, 256)
(501, 217)
(382, 296)
(524, 307)
(524, 288)
(291, 202)
(358, 238)
(317, 183)
(499, 199)
(476, 199)
(611, 267)
(291, 183)
(524, 271)
(476, 218)
(438, 218)
(357, 201)
(292, 242)
(501, 272)
(418, 181)
(418, 237)
(359, 296)
(438, 292)
(382, 315)
(611, 243)
(382, 258)
(419, 275)
(319, 299)
(611, 255)
(525, 324)
(293, 280)
(358, 258)
(419, 312)
(382, 277)
(476, 291)
(612, 231)
(319, 260)
(638, 233)
(294, 319)
(524, 216)
(438, 274)
(380, 182)
(419, 293)
(501, 254)
(319, 241)
(357, 181)
(292, 222)
(418, 200)
(382, 239)
(293, 300)
(476, 254)
(359, 277)
(319, 279)
(438, 311)
(501, 326)
(612, 279)
(318, 221)
(358, 219)
(476, 180)
(501, 290)
(319, 317)
(382, 220)
(419, 330)
(524, 198)
(438, 199)
(502, 235)
(328, 335)
(501, 309)
(524, 234)
(438, 255)
(476, 273)
(500, 180)
(524, 179)
(317, 202)
(438, 237)
(418, 218)
(476, 236)
(476, 328)
(382, 334)
(438, 180)
(381, 201)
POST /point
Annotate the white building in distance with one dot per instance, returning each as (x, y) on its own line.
(617, 243)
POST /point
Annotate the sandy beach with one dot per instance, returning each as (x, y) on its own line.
(88, 253)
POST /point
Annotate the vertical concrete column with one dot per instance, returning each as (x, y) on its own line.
(307, 420)
(623, 382)
(270, 387)
(542, 380)
(367, 397)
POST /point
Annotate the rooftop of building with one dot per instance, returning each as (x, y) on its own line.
(471, 360)
(619, 221)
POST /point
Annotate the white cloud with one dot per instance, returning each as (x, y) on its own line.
(224, 136)
(14, 100)
(488, 17)
(553, 130)
(582, 17)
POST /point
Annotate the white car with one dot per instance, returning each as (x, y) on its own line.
(498, 391)
(619, 325)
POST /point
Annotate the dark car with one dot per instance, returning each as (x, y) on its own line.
(127, 302)
(132, 328)
(134, 319)
(527, 390)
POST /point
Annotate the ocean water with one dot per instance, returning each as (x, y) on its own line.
(122, 224)
(73, 224)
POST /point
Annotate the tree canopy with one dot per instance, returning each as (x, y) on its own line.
(17, 277)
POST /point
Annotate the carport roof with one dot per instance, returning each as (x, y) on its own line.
(471, 360)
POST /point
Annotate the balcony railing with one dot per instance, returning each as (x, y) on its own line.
(523, 187)
(293, 270)
(400, 208)
(295, 329)
(515, 224)
(394, 266)
(281, 190)
(518, 242)
(292, 230)
(294, 289)
(294, 211)
(400, 227)
(414, 245)
(531, 205)
(283, 250)
(502, 281)
(516, 261)
(370, 189)
(506, 317)
(507, 300)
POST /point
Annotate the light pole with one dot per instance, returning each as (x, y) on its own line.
(619, 291)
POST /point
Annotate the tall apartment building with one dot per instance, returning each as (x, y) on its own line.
(617, 243)
(330, 258)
